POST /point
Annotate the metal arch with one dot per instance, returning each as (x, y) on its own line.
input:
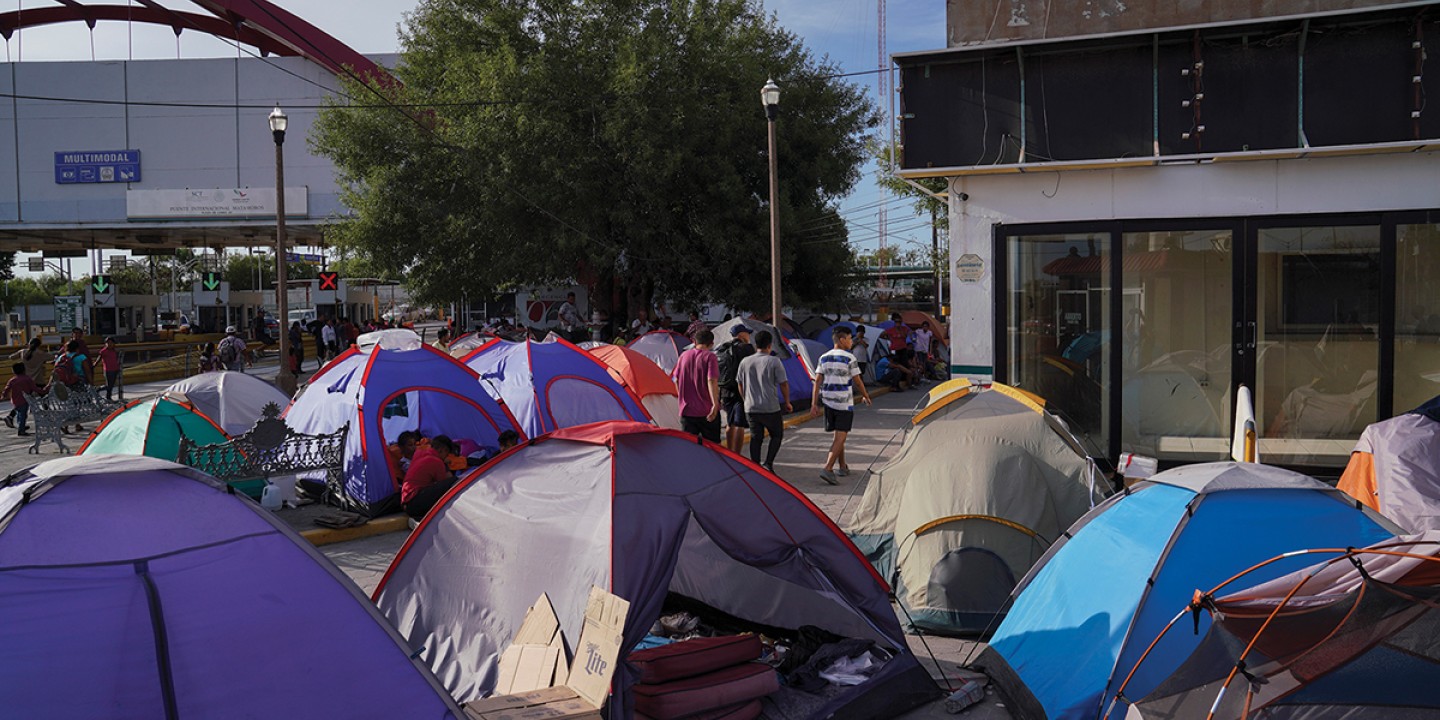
(257, 23)
(178, 21)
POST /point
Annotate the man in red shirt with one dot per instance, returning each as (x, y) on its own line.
(697, 377)
(428, 478)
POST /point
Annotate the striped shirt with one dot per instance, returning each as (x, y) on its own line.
(833, 373)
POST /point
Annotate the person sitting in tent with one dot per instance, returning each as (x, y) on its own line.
(403, 451)
(428, 478)
(509, 439)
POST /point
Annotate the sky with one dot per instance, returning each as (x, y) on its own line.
(843, 30)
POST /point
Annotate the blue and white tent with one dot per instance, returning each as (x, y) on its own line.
(1083, 616)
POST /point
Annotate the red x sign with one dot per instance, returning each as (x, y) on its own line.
(329, 281)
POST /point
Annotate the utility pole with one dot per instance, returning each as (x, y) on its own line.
(935, 260)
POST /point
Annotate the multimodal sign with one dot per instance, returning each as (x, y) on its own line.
(97, 166)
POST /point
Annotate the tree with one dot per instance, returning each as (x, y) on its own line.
(243, 272)
(613, 142)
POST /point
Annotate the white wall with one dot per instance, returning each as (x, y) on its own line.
(180, 147)
(1397, 181)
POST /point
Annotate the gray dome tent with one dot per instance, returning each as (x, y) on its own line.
(985, 481)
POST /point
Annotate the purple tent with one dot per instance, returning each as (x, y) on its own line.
(381, 393)
(644, 512)
(133, 587)
(552, 385)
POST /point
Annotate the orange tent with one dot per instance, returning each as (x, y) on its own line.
(646, 379)
(916, 318)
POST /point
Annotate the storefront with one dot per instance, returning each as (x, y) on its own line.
(1142, 223)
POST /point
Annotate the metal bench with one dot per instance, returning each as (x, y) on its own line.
(60, 406)
(270, 449)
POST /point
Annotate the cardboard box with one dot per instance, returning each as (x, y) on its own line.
(537, 655)
(557, 703)
(536, 658)
(599, 646)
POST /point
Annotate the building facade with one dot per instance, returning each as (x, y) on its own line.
(1145, 217)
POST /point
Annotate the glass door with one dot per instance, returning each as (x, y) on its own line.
(1313, 339)
(1058, 327)
(1177, 343)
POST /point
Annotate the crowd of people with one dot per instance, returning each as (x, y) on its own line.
(72, 367)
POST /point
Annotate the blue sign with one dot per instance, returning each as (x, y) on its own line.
(305, 257)
(97, 166)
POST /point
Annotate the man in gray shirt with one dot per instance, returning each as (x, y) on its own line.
(764, 387)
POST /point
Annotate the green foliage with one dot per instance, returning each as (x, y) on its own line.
(552, 140)
(244, 271)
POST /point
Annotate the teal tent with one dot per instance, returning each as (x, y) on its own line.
(153, 427)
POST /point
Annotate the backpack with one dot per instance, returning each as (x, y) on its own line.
(729, 357)
(65, 370)
(228, 354)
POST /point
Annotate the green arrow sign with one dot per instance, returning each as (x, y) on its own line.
(101, 283)
(212, 281)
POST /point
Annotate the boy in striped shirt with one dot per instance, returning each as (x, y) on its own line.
(837, 378)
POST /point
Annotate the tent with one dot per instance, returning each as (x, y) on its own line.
(1086, 612)
(1395, 468)
(644, 378)
(383, 392)
(872, 337)
(174, 598)
(1352, 636)
(233, 399)
(814, 324)
(986, 480)
(801, 376)
(663, 347)
(467, 343)
(919, 318)
(153, 427)
(638, 510)
(809, 352)
(552, 385)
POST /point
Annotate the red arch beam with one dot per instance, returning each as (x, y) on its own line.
(257, 23)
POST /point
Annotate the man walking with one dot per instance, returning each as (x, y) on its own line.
(760, 376)
(697, 377)
(730, 355)
(232, 350)
(837, 378)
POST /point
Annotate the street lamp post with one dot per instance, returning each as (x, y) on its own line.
(285, 379)
(770, 98)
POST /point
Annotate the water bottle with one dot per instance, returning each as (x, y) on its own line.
(270, 499)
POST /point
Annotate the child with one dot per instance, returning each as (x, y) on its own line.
(208, 361)
(110, 361)
(15, 390)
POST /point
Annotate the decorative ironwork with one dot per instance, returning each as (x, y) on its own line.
(270, 449)
(60, 407)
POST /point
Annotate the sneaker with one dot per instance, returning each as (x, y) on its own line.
(843, 472)
(9, 421)
(829, 477)
(23, 433)
(770, 468)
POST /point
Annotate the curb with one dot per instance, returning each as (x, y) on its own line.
(378, 526)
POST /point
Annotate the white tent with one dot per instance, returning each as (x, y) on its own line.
(232, 399)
